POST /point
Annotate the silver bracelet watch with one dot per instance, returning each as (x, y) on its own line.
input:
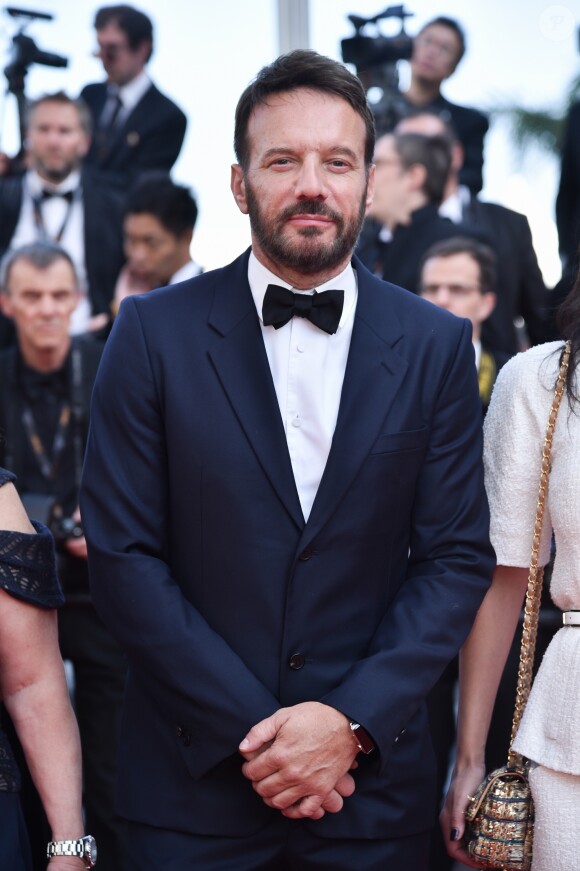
(85, 848)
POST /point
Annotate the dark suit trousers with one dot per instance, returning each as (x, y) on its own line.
(284, 845)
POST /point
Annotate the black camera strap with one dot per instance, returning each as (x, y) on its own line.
(71, 413)
(47, 465)
(78, 413)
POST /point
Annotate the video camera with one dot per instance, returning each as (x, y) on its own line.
(25, 52)
(376, 58)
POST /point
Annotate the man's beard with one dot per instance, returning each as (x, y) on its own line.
(55, 174)
(309, 253)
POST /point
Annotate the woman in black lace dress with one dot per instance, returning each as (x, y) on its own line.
(33, 688)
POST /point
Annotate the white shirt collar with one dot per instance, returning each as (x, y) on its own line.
(453, 207)
(188, 270)
(36, 184)
(133, 91)
(385, 234)
(259, 277)
(477, 349)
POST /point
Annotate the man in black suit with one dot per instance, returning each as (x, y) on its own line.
(520, 289)
(437, 50)
(411, 171)
(137, 128)
(58, 200)
(286, 519)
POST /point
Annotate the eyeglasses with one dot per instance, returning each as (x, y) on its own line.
(446, 50)
(109, 51)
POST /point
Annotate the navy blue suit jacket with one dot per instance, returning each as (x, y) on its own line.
(203, 567)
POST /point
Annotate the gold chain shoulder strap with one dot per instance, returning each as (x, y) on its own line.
(535, 577)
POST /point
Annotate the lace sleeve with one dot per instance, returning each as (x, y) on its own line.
(6, 476)
(27, 567)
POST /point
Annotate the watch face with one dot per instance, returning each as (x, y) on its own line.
(90, 849)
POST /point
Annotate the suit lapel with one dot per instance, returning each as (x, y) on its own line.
(373, 376)
(128, 133)
(241, 363)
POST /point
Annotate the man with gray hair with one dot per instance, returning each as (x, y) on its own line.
(56, 200)
(45, 386)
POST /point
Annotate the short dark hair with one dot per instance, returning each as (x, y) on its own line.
(455, 26)
(39, 254)
(483, 255)
(63, 99)
(136, 26)
(432, 152)
(302, 69)
(173, 205)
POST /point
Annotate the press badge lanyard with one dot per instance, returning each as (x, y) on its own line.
(39, 220)
(47, 467)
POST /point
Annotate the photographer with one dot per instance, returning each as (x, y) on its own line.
(437, 50)
(45, 386)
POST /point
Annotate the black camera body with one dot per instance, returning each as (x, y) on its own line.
(46, 509)
(376, 58)
(65, 528)
(25, 51)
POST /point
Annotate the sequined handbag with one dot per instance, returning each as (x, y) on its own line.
(500, 816)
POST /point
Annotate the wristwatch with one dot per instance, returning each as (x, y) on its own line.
(363, 740)
(85, 848)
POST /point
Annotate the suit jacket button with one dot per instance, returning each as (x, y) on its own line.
(306, 553)
(297, 661)
(184, 736)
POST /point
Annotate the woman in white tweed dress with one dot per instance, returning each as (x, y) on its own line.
(550, 730)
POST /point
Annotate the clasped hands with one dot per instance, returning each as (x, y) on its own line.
(299, 760)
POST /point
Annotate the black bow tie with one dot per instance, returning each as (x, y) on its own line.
(323, 309)
(47, 194)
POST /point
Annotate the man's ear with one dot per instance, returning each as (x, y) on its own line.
(238, 187)
(186, 237)
(417, 174)
(85, 145)
(488, 303)
(5, 306)
(457, 156)
(370, 188)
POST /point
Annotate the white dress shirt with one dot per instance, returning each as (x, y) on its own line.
(307, 367)
(454, 206)
(188, 270)
(56, 213)
(132, 93)
(477, 349)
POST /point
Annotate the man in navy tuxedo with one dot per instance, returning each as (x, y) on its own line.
(285, 515)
